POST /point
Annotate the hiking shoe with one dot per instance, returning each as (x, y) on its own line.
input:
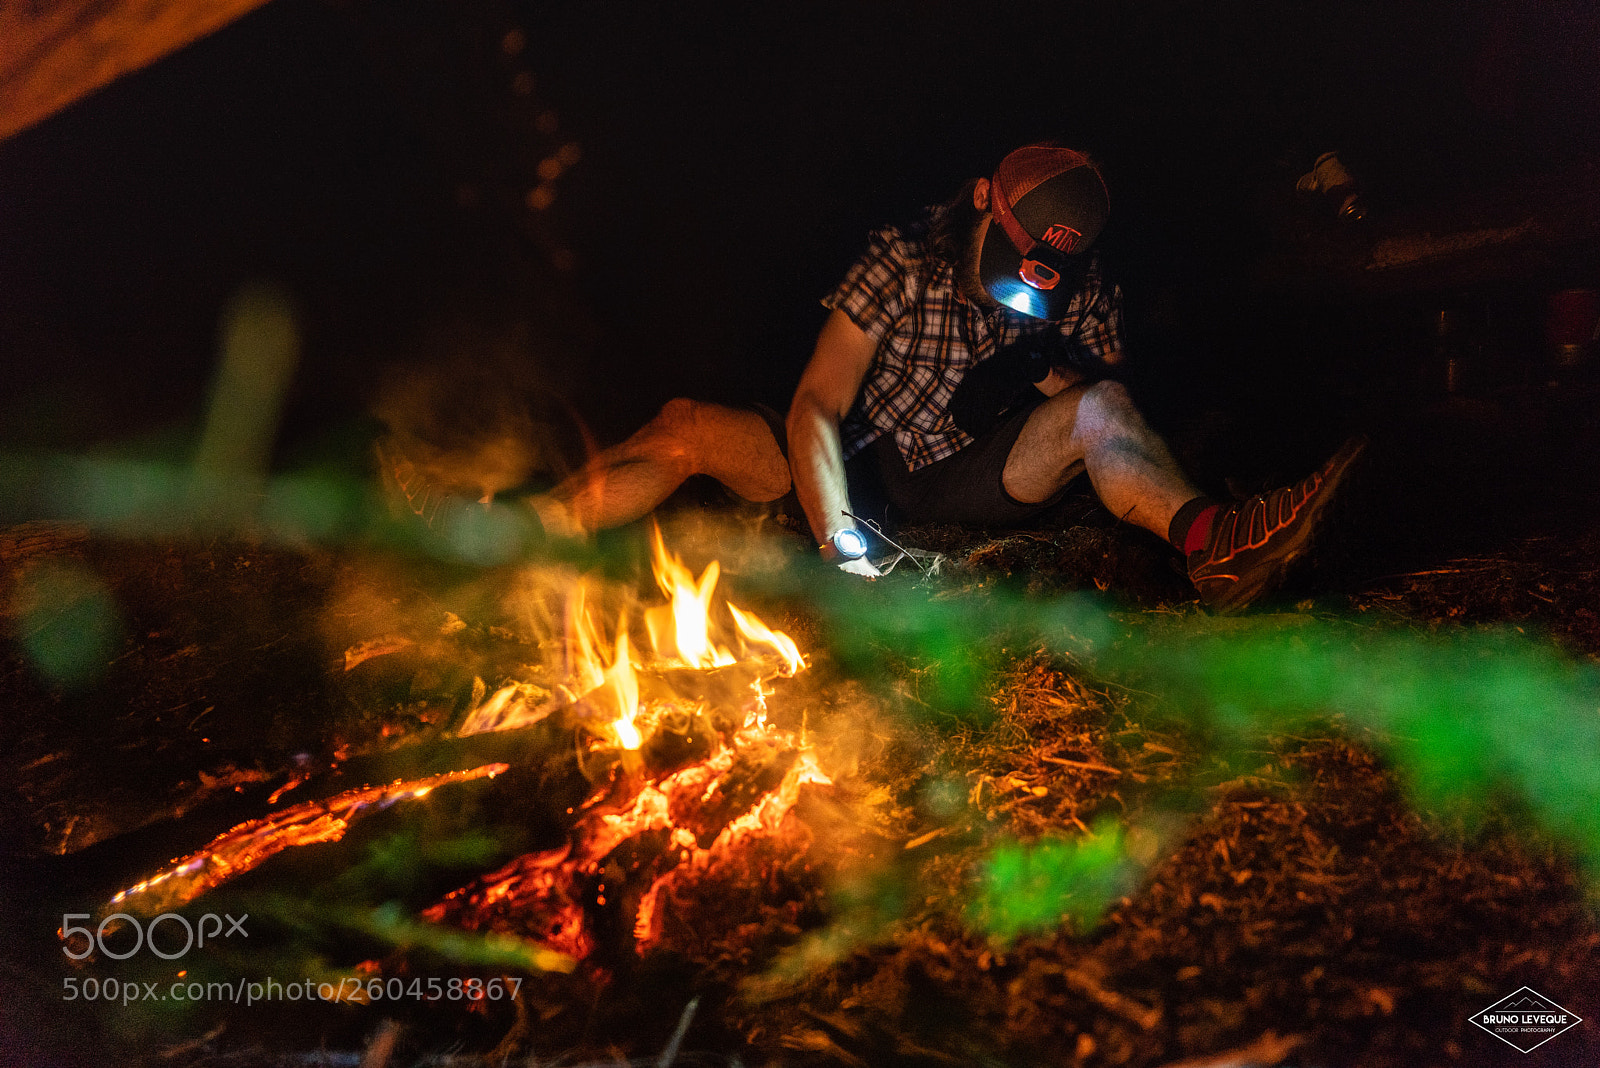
(445, 521)
(1253, 542)
(410, 490)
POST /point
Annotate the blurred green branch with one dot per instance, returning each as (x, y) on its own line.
(1471, 721)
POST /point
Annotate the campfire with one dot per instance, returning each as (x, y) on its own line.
(690, 761)
(668, 703)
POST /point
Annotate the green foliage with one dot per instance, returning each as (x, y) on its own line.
(311, 509)
(1029, 888)
(66, 621)
(1469, 720)
(1464, 717)
(402, 864)
(393, 927)
(948, 647)
(397, 927)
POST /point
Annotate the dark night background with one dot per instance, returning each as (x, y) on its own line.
(597, 206)
(376, 158)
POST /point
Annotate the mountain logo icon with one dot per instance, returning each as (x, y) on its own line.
(1525, 1019)
(1529, 1002)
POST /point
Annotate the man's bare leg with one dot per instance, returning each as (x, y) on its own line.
(735, 446)
(1096, 427)
(1237, 552)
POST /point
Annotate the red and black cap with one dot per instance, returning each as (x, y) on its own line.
(1047, 205)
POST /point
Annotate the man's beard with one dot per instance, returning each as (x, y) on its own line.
(969, 280)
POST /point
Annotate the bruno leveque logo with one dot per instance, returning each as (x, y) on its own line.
(1525, 1019)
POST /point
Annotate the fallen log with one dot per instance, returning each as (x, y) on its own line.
(93, 875)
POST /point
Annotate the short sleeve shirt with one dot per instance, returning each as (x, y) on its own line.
(929, 336)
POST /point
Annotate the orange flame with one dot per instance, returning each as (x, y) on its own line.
(689, 610)
(516, 704)
(624, 684)
(600, 669)
(758, 632)
(604, 674)
(600, 681)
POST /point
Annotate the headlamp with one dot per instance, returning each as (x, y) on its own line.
(1047, 205)
(1043, 261)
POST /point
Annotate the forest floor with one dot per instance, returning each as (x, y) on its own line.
(1283, 899)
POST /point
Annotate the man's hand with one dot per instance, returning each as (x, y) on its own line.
(860, 566)
(1058, 380)
(996, 386)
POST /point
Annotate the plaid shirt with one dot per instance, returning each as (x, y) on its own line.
(929, 336)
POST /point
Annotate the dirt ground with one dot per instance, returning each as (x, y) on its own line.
(1284, 906)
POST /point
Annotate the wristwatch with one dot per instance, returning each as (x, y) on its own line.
(847, 544)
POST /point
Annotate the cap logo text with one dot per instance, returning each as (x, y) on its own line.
(1062, 237)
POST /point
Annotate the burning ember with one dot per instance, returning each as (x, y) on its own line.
(670, 703)
(248, 845)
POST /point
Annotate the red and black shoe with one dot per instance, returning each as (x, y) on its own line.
(1254, 542)
(443, 519)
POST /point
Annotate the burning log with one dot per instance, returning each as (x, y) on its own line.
(675, 769)
(757, 769)
(340, 793)
(247, 846)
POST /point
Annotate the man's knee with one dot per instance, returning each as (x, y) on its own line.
(677, 418)
(1106, 409)
(1108, 396)
(689, 433)
(669, 437)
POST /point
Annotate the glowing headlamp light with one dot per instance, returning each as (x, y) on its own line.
(846, 544)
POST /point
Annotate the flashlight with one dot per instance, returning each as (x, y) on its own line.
(846, 544)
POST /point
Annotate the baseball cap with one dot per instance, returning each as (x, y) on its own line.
(1048, 204)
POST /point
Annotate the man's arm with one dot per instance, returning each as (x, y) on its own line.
(1096, 341)
(816, 456)
(1065, 377)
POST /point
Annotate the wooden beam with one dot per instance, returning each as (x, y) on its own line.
(54, 52)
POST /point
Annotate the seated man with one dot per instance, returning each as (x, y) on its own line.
(968, 368)
(925, 364)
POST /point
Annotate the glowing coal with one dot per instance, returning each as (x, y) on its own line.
(248, 845)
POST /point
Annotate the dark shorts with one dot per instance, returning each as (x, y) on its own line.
(966, 488)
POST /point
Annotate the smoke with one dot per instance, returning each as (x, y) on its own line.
(477, 422)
